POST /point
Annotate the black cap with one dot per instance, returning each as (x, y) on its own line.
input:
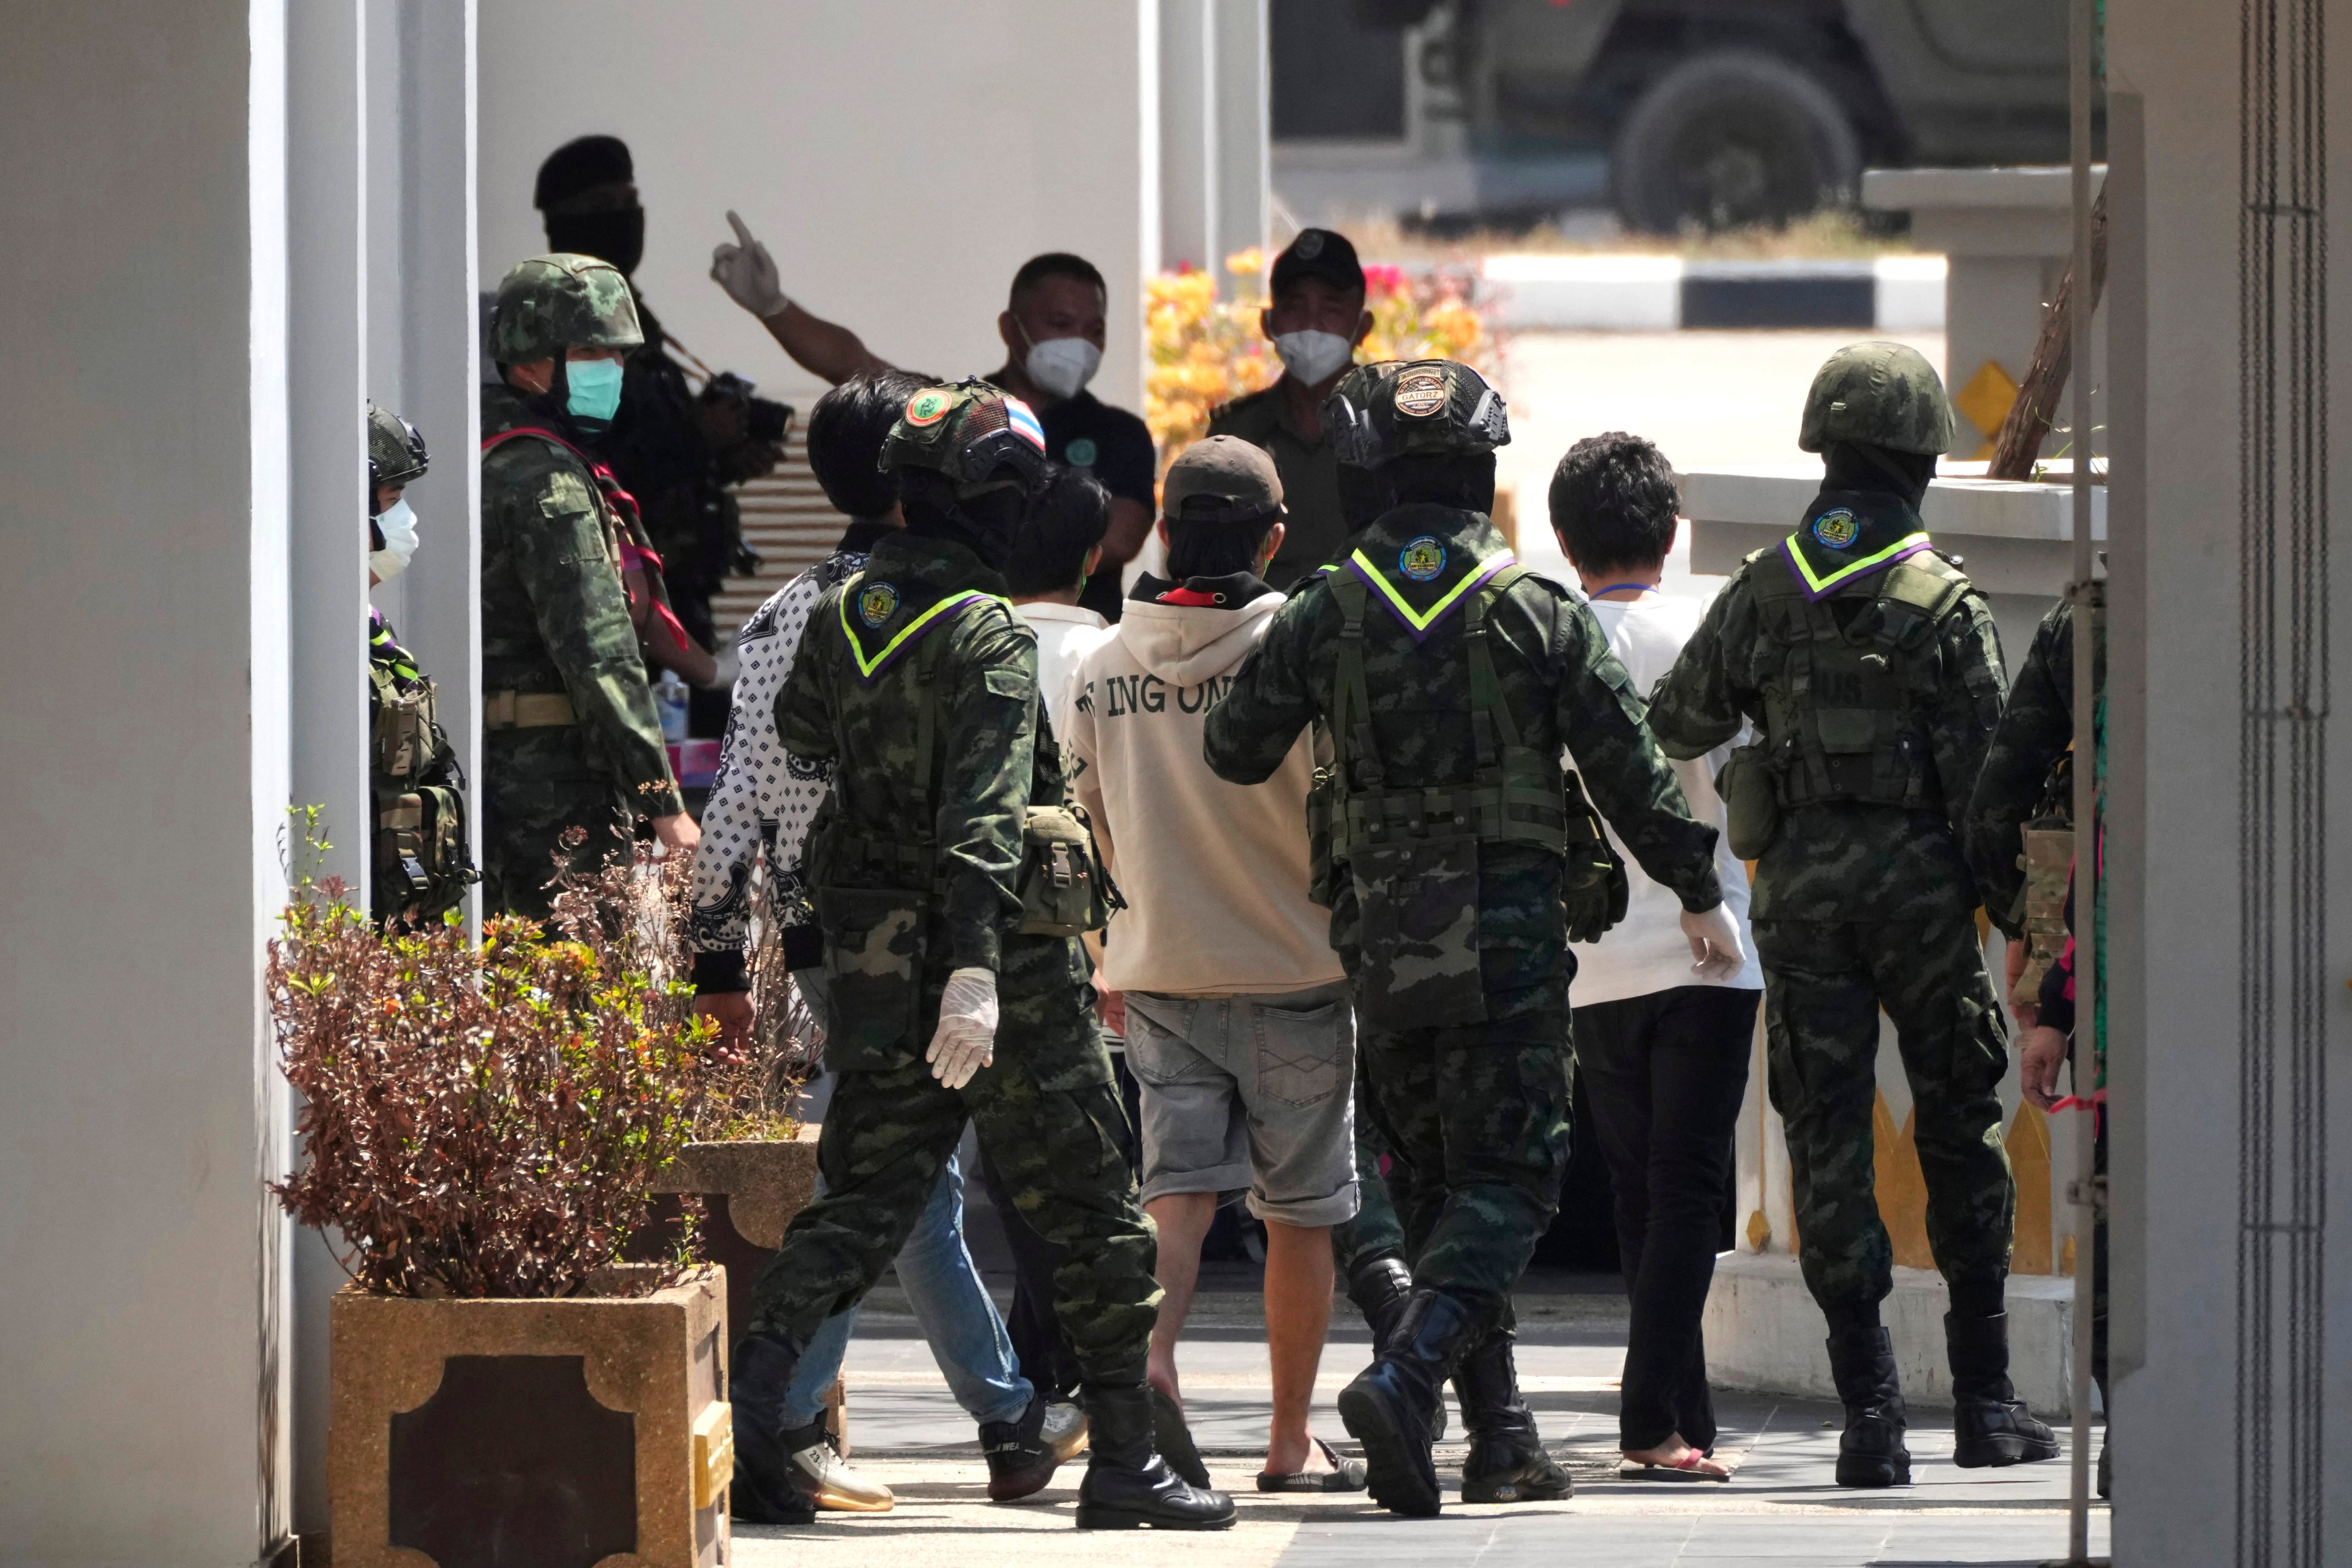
(1319, 253)
(582, 165)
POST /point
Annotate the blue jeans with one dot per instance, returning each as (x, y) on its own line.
(953, 1310)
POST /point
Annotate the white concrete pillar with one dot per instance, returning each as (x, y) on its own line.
(1245, 125)
(144, 756)
(1187, 134)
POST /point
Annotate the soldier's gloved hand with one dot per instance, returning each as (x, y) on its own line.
(1716, 949)
(965, 1040)
(748, 273)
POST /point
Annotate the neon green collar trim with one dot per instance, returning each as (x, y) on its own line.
(867, 669)
(1419, 622)
(1817, 586)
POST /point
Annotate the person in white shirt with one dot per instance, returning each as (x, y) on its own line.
(1663, 1051)
(1059, 547)
(1238, 1026)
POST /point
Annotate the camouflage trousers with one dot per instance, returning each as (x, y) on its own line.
(1375, 1229)
(1477, 1118)
(1824, 982)
(1049, 1121)
(536, 784)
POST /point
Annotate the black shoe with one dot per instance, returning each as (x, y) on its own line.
(1379, 1286)
(1387, 1408)
(1507, 1462)
(1173, 1440)
(1990, 1426)
(1871, 1453)
(1020, 1461)
(1128, 1485)
(769, 1486)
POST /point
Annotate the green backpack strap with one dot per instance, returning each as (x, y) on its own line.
(1491, 724)
(1917, 594)
(1351, 707)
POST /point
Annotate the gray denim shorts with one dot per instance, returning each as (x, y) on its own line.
(1249, 1094)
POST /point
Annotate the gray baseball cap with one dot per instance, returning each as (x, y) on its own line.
(1221, 479)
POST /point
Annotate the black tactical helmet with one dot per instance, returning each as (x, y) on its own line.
(972, 433)
(1878, 395)
(1401, 408)
(395, 451)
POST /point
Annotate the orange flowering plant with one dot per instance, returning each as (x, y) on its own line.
(1207, 351)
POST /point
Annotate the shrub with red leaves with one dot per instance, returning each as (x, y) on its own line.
(483, 1120)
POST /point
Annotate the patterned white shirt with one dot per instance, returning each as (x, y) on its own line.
(762, 797)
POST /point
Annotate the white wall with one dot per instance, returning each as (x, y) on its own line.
(899, 157)
(144, 761)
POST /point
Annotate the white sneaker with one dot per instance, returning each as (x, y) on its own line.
(827, 1478)
(1065, 1431)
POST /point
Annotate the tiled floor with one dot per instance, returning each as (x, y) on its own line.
(1781, 1508)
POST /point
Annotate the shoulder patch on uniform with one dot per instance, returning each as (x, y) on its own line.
(1003, 682)
(566, 495)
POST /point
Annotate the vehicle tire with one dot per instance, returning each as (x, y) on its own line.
(1728, 139)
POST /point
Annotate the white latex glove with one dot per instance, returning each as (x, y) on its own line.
(965, 1040)
(748, 273)
(1715, 951)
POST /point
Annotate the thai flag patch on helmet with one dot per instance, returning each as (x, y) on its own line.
(1017, 415)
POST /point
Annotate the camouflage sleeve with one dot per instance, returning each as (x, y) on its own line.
(1700, 704)
(1607, 729)
(1252, 727)
(987, 755)
(583, 614)
(1975, 691)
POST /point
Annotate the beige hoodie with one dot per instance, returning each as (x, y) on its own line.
(1214, 874)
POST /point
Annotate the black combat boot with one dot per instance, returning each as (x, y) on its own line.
(1128, 1485)
(1990, 1426)
(1020, 1461)
(768, 1486)
(1507, 1462)
(1389, 1408)
(1379, 1287)
(1871, 1454)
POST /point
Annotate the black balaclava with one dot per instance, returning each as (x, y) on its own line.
(616, 234)
(1851, 466)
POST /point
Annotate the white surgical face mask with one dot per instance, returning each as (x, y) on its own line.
(398, 526)
(1062, 367)
(1313, 356)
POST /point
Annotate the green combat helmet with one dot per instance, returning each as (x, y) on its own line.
(551, 303)
(1402, 408)
(395, 451)
(1878, 395)
(972, 432)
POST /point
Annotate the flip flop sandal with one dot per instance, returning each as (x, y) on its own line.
(1685, 1469)
(1344, 1476)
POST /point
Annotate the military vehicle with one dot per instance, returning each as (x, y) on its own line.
(1725, 112)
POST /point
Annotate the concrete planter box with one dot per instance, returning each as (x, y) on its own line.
(750, 1190)
(565, 1433)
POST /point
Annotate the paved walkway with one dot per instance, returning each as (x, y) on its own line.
(1781, 1507)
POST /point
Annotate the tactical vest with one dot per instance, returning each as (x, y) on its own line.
(1845, 707)
(423, 862)
(1411, 853)
(876, 893)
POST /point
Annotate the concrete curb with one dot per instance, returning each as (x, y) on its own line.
(1631, 293)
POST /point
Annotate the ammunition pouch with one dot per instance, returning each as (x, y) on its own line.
(420, 857)
(1595, 890)
(1751, 801)
(2049, 868)
(1064, 891)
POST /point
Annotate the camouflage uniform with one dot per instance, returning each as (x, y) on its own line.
(555, 615)
(2037, 726)
(1872, 672)
(1046, 1112)
(1488, 1126)
(1314, 524)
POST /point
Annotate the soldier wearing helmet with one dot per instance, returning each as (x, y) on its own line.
(420, 862)
(1458, 858)
(569, 737)
(1870, 668)
(950, 882)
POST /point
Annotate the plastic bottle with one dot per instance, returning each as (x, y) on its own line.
(670, 701)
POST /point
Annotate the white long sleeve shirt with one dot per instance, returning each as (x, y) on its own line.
(761, 798)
